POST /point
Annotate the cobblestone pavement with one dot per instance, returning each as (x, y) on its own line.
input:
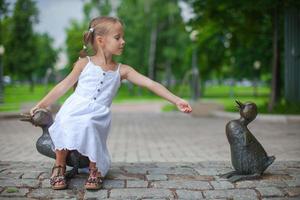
(155, 180)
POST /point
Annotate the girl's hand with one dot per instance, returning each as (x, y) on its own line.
(32, 110)
(183, 106)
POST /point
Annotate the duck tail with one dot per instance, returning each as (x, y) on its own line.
(270, 160)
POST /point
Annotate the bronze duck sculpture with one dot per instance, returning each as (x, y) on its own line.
(44, 145)
(248, 157)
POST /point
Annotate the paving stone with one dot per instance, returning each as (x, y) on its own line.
(12, 175)
(136, 170)
(243, 194)
(293, 191)
(123, 165)
(270, 192)
(77, 182)
(113, 173)
(210, 171)
(19, 183)
(99, 194)
(222, 185)
(125, 177)
(154, 198)
(45, 175)
(32, 175)
(46, 183)
(14, 192)
(141, 193)
(49, 193)
(187, 194)
(3, 169)
(293, 183)
(282, 176)
(188, 177)
(216, 164)
(260, 184)
(177, 171)
(107, 184)
(137, 184)
(196, 185)
(293, 171)
(174, 164)
(281, 198)
(156, 177)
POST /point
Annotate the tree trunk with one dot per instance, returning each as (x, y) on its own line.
(1, 82)
(151, 61)
(292, 55)
(275, 87)
(168, 74)
(31, 82)
(195, 77)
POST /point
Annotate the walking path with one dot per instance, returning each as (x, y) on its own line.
(156, 155)
(162, 137)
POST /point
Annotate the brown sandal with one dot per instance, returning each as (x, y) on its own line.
(94, 180)
(58, 181)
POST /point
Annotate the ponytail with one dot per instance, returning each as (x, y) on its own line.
(88, 38)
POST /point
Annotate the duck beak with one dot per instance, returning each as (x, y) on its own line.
(240, 105)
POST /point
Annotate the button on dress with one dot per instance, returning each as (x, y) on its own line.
(83, 121)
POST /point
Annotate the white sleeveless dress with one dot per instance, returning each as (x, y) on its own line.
(83, 121)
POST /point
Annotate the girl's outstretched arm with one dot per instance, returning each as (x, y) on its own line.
(62, 87)
(133, 76)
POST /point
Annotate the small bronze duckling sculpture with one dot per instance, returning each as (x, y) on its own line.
(248, 157)
(43, 118)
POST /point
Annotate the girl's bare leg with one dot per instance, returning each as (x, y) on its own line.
(61, 156)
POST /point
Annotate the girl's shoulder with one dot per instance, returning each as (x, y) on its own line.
(124, 68)
(81, 63)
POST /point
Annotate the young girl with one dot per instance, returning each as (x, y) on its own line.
(83, 121)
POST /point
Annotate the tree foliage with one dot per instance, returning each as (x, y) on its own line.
(250, 33)
(168, 47)
(232, 36)
(156, 39)
(27, 54)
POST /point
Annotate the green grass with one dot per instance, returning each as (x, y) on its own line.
(226, 96)
(229, 103)
(16, 95)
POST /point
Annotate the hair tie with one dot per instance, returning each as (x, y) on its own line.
(91, 30)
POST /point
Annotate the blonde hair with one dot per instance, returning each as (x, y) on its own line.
(98, 26)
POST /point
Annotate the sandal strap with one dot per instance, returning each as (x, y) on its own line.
(60, 169)
(57, 179)
(93, 178)
(97, 180)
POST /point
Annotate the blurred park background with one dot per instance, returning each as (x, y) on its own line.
(202, 50)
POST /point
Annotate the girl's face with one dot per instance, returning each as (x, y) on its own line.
(113, 41)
